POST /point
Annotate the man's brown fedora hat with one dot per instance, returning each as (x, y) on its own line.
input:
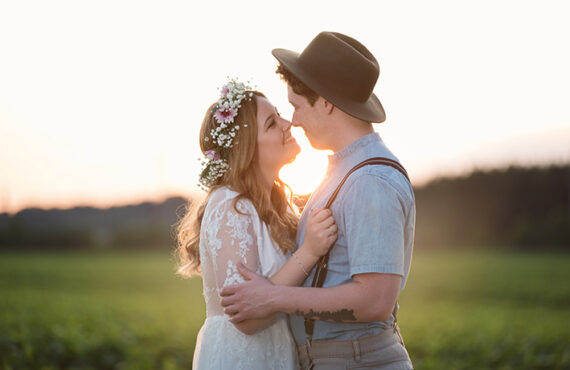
(341, 70)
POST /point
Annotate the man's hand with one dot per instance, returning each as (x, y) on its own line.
(249, 300)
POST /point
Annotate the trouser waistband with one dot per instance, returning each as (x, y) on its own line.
(351, 347)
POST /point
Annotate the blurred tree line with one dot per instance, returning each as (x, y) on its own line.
(516, 207)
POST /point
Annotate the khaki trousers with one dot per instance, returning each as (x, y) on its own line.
(384, 351)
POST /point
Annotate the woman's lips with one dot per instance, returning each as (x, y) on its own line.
(288, 139)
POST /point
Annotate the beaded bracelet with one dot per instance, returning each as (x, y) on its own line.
(301, 265)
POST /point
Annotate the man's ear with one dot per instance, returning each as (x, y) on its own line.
(329, 107)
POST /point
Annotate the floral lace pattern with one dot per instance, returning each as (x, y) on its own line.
(229, 237)
(232, 275)
(239, 225)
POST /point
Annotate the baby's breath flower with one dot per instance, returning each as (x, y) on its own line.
(225, 110)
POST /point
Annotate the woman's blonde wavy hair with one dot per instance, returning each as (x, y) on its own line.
(244, 178)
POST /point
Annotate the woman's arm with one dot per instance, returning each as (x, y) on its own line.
(321, 233)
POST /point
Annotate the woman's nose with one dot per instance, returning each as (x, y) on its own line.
(286, 125)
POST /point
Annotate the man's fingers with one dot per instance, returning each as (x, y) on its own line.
(236, 319)
(228, 300)
(231, 310)
(245, 272)
(228, 290)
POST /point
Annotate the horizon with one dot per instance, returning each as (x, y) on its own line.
(109, 115)
(199, 195)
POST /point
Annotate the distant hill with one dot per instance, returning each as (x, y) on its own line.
(523, 208)
(515, 207)
(145, 225)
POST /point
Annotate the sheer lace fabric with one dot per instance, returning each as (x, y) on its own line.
(229, 237)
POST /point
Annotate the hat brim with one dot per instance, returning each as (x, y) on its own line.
(370, 110)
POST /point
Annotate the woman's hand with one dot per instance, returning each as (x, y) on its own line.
(321, 232)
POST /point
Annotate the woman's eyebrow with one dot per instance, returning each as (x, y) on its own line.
(267, 120)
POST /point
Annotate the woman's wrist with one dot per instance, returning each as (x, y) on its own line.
(300, 264)
(306, 258)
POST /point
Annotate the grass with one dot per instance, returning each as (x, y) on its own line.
(111, 310)
(481, 310)
(101, 311)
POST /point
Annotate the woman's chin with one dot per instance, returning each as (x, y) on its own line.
(294, 153)
(297, 149)
(289, 160)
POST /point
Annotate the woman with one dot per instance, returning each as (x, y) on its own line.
(247, 218)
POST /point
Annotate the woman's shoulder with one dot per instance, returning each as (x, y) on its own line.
(225, 197)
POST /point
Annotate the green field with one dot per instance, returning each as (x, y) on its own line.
(107, 310)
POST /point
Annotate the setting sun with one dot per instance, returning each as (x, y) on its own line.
(308, 169)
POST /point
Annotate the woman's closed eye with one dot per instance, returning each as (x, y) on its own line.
(271, 124)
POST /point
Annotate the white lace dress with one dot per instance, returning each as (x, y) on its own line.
(227, 238)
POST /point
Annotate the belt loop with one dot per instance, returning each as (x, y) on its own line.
(356, 348)
(305, 357)
(397, 332)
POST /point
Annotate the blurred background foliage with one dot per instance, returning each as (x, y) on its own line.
(489, 288)
(514, 208)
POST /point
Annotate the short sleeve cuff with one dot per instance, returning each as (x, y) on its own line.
(381, 269)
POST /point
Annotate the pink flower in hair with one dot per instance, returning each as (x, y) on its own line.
(225, 91)
(211, 154)
(225, 115)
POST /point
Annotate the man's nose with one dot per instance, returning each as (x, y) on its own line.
(294, 121)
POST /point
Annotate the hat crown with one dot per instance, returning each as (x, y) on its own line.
(342, 64)
(341, 70)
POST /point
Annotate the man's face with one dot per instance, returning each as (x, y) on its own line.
(309, 118)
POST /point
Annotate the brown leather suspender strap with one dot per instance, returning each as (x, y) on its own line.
(321, 272)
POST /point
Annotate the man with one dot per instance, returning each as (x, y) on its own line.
(330, 87)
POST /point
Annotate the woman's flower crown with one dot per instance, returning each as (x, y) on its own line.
(225, 110)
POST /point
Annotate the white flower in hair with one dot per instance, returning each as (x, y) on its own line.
(225, 111)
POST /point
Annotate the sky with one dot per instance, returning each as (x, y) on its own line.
(101, 101)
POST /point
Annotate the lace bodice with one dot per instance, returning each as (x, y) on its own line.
(228, 237)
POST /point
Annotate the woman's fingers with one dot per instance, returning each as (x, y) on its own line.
(327, 222)
(321, 214)
(331, 234)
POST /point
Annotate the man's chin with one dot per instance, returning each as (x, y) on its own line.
(316, 145)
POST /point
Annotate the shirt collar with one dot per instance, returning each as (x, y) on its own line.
(357, 145)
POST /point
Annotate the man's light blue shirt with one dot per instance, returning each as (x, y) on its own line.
(375, 214)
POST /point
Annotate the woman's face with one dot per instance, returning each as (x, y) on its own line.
(275, 145)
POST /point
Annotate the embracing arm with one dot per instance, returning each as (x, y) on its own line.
(370, 297)
(290, 275)
(376, 259)
(321, 233)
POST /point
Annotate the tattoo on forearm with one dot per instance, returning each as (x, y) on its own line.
(337, 316)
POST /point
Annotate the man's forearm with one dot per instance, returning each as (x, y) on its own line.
(352, 302)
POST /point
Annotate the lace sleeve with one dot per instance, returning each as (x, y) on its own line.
(234, 242)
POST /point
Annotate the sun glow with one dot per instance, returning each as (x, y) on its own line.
(308, 169)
